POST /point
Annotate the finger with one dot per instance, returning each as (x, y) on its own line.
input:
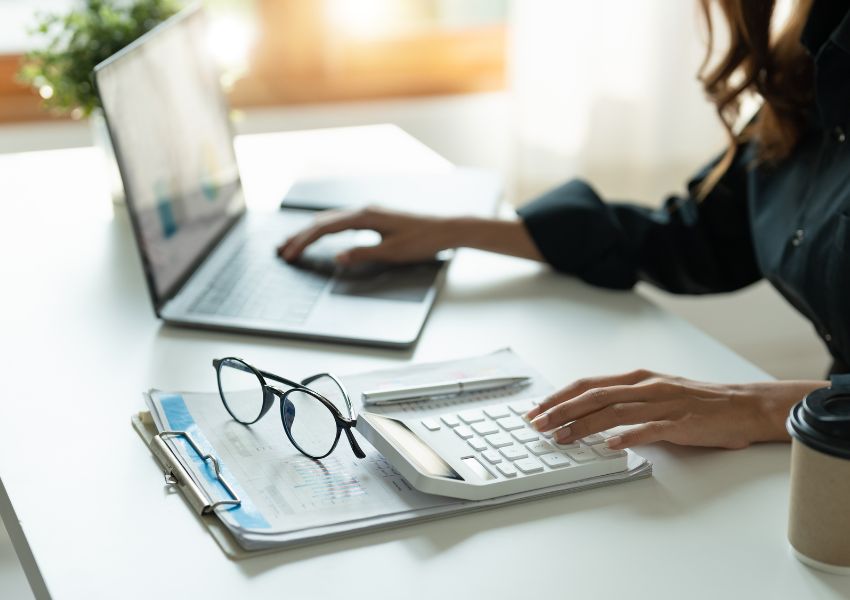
(648, 433)
(590, 401)
(598, 398)
(582, 385)
(281, 249)
(630, 413)
(294, 246)
(353, 256)
(320, 219)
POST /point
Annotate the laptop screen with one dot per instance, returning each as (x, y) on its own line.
(169, 126)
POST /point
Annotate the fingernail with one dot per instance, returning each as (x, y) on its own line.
(540, 422)
(613, 442)
(563, 434)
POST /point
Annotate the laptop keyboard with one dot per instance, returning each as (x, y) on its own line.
(255, 284)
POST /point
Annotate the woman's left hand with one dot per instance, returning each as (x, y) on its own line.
(672, 409)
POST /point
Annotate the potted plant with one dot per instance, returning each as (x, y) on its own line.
(61, 70)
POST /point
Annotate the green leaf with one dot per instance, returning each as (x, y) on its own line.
(73, 43)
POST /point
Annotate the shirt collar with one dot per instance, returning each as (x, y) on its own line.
(841, 36)
(828, 20)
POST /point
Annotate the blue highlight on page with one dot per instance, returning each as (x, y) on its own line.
(178, 418)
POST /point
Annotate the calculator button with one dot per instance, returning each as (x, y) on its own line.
(525, 435)
(497, 412)
(450, 420)
(513, 452)
(606, 452)
(475, 465)
(529, 465)
(431, 424)
(593, 438)
(506, 469)
(511, 423)
(477, 444)
(492, 456)
(471, 416)
(497, 440)
(521, 407)
(570, 446)
(581, 455)
(464, 432)
(485, 428)
(555, 460)
(540, 447)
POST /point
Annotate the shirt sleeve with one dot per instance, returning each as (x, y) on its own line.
(686, 246)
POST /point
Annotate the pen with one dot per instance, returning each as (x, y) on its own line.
(446, 388)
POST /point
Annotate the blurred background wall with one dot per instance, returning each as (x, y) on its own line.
(541, 90)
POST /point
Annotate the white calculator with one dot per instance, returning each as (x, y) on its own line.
(484, 452)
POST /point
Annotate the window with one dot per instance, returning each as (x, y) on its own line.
(320, 50)
(311, 51)
(17, 103)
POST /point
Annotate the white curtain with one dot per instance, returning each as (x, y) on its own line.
(607, 90)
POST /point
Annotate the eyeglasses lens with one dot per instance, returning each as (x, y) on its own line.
(330, 389)
(241, 390)
(311, 424)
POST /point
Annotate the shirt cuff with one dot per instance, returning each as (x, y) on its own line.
(577, 233)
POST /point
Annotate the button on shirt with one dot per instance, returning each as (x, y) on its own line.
(789, 223)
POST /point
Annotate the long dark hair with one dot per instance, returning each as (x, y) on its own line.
(776, 67)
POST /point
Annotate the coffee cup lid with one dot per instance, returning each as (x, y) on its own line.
(822, 420)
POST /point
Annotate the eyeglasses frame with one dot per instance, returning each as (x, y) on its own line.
(270, 391)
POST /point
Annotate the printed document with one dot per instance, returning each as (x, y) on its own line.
(287, 497)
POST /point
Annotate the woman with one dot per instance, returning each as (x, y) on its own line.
(775, 205)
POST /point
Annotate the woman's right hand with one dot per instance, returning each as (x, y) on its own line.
(405, 238)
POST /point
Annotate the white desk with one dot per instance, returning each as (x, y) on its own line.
(90, 517)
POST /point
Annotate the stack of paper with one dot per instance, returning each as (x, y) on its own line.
(288, 499)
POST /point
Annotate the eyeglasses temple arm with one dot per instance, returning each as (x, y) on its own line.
(355, 447)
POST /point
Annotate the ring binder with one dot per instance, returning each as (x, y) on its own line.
(177, 475)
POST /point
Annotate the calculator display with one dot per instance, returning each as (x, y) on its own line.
(415, 450)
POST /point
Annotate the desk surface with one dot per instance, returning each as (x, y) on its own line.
(88, 513)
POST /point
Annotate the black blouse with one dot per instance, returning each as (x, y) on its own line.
(789, 223)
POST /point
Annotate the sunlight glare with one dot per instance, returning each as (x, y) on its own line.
(363, 18)
(230, 39)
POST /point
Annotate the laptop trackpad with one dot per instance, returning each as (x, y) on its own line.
(406, 283)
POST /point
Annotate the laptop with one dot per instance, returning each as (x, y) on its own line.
(210, 263)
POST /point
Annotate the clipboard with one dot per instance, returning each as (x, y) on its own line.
(245, 517)
(203, 506)
(198, 500)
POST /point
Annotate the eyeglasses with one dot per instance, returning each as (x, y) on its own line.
(313, 412)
